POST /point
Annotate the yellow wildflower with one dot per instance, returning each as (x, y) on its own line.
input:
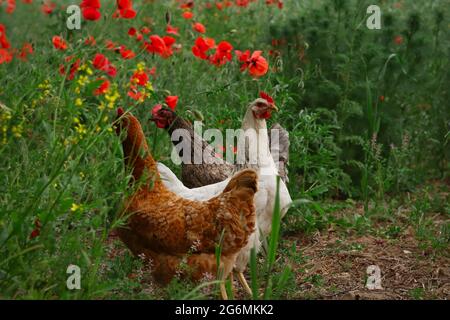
(75, 207)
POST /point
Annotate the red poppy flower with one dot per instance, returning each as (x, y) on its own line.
(48, 7)
(111, 71)
(27, 49)
(132, 31)
(34, 233)
(90, 13)
(4, 43)
(243, 57)
(125, 9)
(37, 229)
(139, 78)
(188, 15)
(187, 4)
(134, 94)
(398, 40)
(222, 54)
(10, 6)
(90, 41)
(256, 64)
(242, 3)
(145, 30)
(100, 62)
(172, 101)
(152, 72)
(103, 87)
(5, 56)
(110, 45)
(90, 9)
(126, 53)
(202, 45)
(172, 30)
(161, 46)
(73, 67)
(59, 43)
(279, 3)
(90, 3)
(199, 27)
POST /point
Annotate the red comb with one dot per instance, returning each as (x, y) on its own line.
(120, 112)
(156, 108)
(266, 96)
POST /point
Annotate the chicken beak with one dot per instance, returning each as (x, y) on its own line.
(274, 107)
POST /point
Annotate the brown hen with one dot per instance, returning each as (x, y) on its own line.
(169, 229)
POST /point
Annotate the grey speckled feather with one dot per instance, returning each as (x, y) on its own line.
(212, 169)
(215, 169)
(282, 149)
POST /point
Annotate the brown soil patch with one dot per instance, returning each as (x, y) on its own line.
(339, 266)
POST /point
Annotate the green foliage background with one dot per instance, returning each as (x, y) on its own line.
(367, 117)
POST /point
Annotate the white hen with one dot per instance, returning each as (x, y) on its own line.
(264, 197)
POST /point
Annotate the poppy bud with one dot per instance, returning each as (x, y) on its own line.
(167, 17)
(198, 115)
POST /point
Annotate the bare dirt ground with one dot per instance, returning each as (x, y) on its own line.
(336, 268)
(337, 259)
(341, 265)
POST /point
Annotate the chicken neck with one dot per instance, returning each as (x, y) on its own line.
(136, 152)
(264, 157)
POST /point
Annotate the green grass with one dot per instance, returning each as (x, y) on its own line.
(61, 162)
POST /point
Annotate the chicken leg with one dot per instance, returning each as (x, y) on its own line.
(232, 284)
(223, 291)
(244, 283)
